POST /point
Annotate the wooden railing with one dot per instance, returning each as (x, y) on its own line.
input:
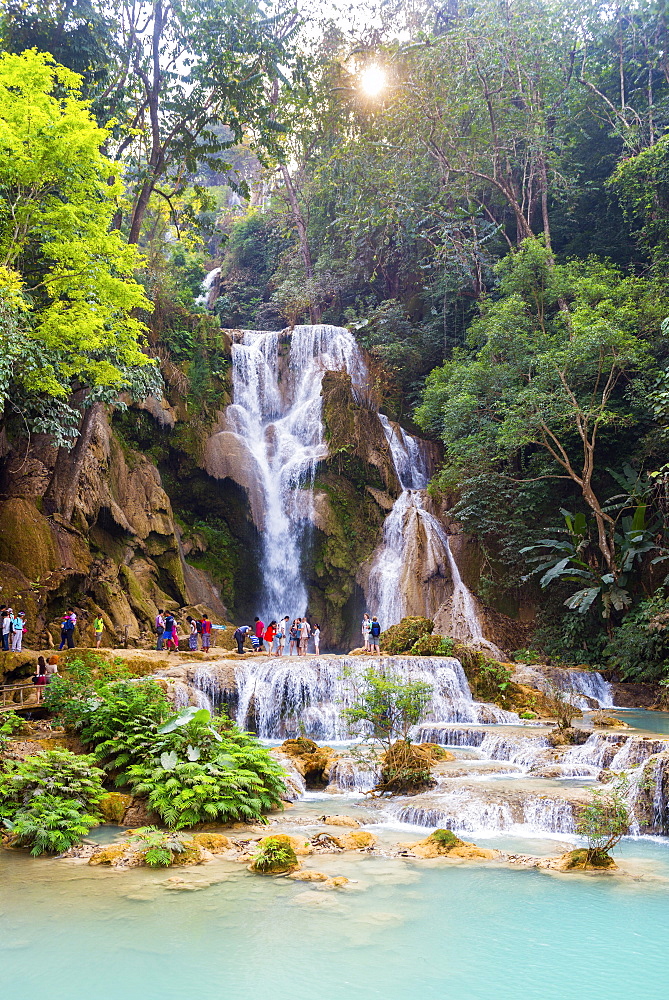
(13, 696)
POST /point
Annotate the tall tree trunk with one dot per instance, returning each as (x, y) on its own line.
(301, 226)
(61, 492)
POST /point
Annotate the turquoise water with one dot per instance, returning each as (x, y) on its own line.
(641, 718)
(404, 931)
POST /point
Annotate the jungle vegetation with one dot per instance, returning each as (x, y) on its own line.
(492, 222)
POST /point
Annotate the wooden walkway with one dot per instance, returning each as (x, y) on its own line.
(14, 697)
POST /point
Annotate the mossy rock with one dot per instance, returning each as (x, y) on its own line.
(27, 539)
(433, 645)
(401, 638)
(215, 843)
(581, 860)
(275, 856)
(108, 855)
(114, 806)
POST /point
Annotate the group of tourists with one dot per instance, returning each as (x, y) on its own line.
(13, 629)
(167, 631)
(45, 671)
(274, 638)
(371, 630)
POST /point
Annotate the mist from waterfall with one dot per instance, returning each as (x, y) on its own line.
(276, 410)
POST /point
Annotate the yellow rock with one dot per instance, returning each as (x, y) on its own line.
(443, 843)
(108, 855)
(216, 843)
(309, 877)
(357, 840)
(339, 821)
(114, 806)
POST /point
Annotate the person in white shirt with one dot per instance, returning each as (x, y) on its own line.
(305, 632)
(316, 636)
(7, 618)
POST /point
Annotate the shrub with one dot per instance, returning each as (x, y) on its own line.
(11, 724)
(49, 801)
(639, 647)
(401, 637)
(604, 822)
(528, 715)
(192, 773)
(433, 645)
(529, 656)
(158, 848)
(274, 854)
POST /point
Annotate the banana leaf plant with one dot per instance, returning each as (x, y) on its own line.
(574, 559)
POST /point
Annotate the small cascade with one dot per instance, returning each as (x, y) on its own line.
(485, 811)
(291, 696)
(351, 776)
(275, 423)
(583, 688)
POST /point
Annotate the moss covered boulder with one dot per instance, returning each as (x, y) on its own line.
(444, 843)
(114, 806)
(402, 637)
(275, 856)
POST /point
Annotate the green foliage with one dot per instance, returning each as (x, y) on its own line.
(530, 656)
(11, 724)
(79, 298)
(639, 646)
(528, 715)
(401, 637)
(274, 854)
(433, 645)
(445, 837)
(385, 705)
(159, 847)
(48, 801)
(604, 822)
(575, 559)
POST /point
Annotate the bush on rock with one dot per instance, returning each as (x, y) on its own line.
(401, 637)
(275, 855)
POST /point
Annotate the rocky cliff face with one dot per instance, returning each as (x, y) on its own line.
(119, 556)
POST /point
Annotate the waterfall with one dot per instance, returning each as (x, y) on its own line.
(410, 570)
(293, 696)
(484, 811)
(583, 688)
(276, 413)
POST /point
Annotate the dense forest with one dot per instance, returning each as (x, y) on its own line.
(480, 192)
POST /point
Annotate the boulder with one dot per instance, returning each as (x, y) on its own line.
(356, 840)
(114, 807)
(275, 856)
(339, 821)
(444, 843)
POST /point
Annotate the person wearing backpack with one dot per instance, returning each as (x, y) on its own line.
(170, 630)
(374, 633)
(67, 627)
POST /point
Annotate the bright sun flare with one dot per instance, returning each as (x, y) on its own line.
(372, 80)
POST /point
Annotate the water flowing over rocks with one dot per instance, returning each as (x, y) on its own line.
(282, 697)
(583, 688)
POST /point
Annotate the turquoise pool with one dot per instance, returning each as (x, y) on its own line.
(403, 931)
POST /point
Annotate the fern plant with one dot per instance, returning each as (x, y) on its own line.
(158, 847)
(48, 802)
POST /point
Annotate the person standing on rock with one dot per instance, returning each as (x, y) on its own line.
(18, 628)
(171, 633)
(6, 627)
(280, 637)
(258, 628)
(98, 628)
(374, 633)
(160, 629)
(67, 627)
(270, 632)
(316, 635)
(305, 632)
(366, 625)
(294, 633)
(206, 632)
(192, 635)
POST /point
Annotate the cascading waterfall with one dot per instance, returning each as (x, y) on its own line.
(291, 696)
(583, 688)
(276, 411)
(410, 527)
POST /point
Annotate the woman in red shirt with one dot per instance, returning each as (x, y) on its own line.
(270, 632)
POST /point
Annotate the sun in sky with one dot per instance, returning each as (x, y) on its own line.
(373, 80)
